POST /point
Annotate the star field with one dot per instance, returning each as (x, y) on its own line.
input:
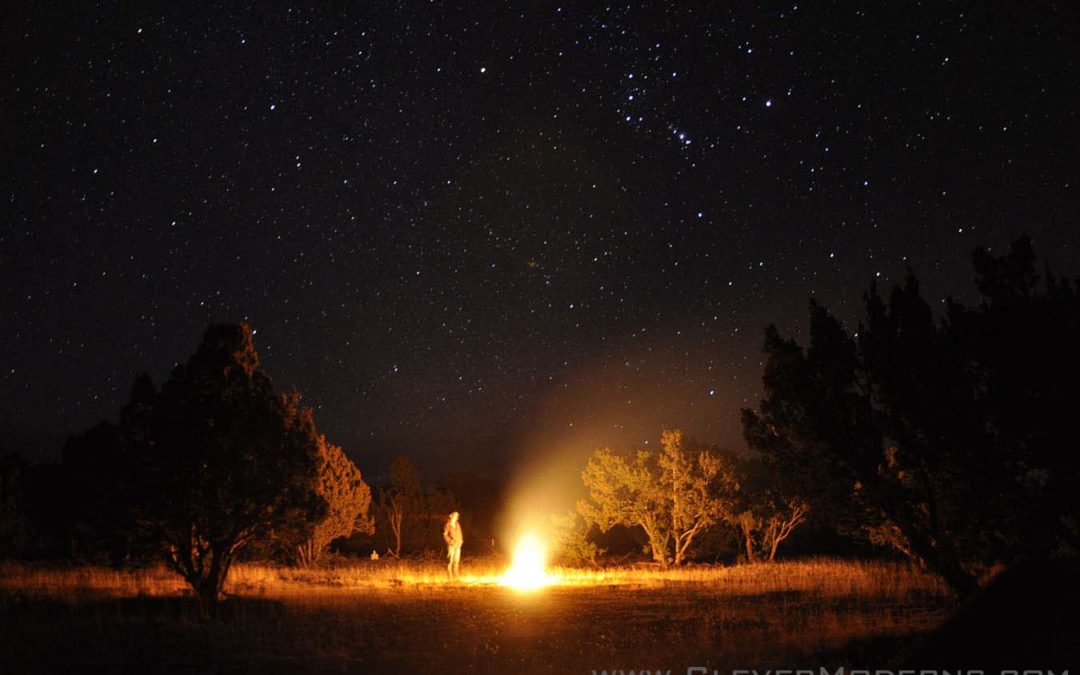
(473, 229)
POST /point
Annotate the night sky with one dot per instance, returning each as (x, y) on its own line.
(470, 232)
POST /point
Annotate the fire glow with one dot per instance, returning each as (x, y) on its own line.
(528, 569)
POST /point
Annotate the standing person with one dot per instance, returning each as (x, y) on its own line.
(451, 534)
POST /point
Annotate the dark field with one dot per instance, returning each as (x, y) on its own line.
(400, 618)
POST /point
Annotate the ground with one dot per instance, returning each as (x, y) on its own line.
(399, 617)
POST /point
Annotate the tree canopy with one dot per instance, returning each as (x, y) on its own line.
(220, 459)
(673, 496)
(941, 437)
(348, 499)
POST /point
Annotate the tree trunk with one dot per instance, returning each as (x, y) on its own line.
(207, 594)
(927, 540)
(659, 554)
(308, 554)
(956, 576)
(943, 561)
(396, 518)
(658, 544)
(747, 527)
(681, 549)
(208, 588)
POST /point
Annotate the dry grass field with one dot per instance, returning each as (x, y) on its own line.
(390, 616)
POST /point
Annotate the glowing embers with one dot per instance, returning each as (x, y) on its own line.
(527, 571)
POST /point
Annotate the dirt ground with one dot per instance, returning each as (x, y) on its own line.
(448, 628)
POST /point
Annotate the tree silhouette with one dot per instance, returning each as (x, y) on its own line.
(401, 499)
(98, 472)
(1023, 362)
(14, 530)
(941, 437)
(765, 513)
(411, 515)
(221, 458)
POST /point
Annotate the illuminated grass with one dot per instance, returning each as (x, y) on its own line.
(402, 616)
(824, 577)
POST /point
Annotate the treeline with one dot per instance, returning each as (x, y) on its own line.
(680, 497)
(202, 469)
(410, 512)
(212, 467)
(948, 439)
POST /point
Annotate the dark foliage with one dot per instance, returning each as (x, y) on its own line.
(99, 468)
(944, 439)
(14, 530)
(222, 459)
(198, 470)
